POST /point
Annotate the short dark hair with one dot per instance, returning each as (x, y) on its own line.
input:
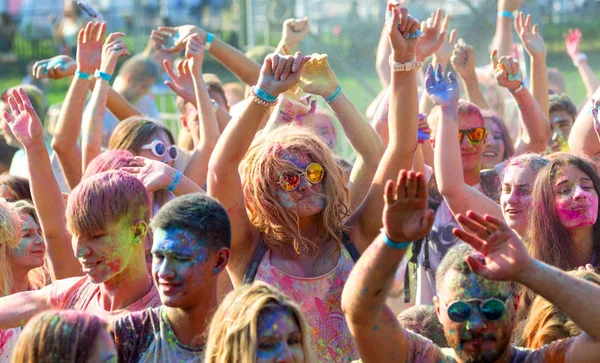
(18, 185)
(454, 260)
(198, 214)
(423, 320)
(562, 102)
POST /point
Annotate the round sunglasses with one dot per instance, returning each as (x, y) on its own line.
(290, 180)
(474, 135)
(159, 149)
(491, 309)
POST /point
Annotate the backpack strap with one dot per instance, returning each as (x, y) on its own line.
(350, 247)
(257, 256)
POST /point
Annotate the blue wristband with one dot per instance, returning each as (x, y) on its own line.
(102, 75)
(82, 75)
(396, 245)
(334, 95)
(422, 136)
(209, 39)
(175, 182)
(263, 95)
(506, 14)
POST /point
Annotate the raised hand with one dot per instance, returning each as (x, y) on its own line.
(435, 32)
(181, 81)
(89, 47)
(406, 216)
(572, 41)
(506, 71)
(24, 122)
(113, 48)
(403, 32)
(596, 116)
(440, 92)
(463, 59)
(57, 67)
(279, 73)
(194, 53)
(294, 30)
(155, 175)
(444, 53)
(502, 255)
(530, 37)
(171, 39)
(317, 77)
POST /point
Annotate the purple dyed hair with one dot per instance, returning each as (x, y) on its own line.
(110, 160)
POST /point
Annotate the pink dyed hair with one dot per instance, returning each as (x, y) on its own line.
(106, 198)
(466, 108)
(110, 160)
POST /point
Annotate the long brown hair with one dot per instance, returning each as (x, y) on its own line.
(18, 185)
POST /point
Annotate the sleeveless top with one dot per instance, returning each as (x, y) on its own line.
(319, 299)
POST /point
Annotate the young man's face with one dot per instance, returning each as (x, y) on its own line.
(477, 338)
(108, 253)
(182, 266)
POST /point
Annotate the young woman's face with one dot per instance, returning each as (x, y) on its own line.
(279, 338)
(494, 150)
(575, 198)
(515, 199)
(166, 158)
(103, 349)
(307, 200)
(31, 250)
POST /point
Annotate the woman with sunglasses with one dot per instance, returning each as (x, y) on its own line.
(287, 198)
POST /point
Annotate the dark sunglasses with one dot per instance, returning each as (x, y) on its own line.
(475, 135)
(159, 149)
(290, 180)
(491, 309)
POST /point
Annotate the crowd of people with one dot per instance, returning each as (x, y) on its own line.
(242, 236)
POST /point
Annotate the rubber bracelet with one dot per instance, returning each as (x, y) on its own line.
(209, 39)
(518, 88)
(506, 14)
(396, 245)
(82, 75)
(581, 57)
(334, 95)
(175, 182)
(263, 95)
(102, 75)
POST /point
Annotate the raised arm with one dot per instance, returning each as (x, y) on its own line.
(588, 76)
(584, 138)
(113, 48)
(463, 61)
(534, 44)
(504, 26)
(48, 200)
(209, 133)
(382, 58)
(505, 258)
(243, 67)
(447, 156)
(377, 333)
(534, 123)
(318, 78)
(278, 74)
(294, 30)
(403, 119)
(65, 140)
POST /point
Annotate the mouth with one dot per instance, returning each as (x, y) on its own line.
(512, 212)
(168, 287)
(89, 265)
(40, 252)
(490, 154)
(582, 208)
(476, 344)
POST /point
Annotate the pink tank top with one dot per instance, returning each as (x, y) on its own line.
(319, 299)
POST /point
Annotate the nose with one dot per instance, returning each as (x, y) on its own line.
(464, 143)
(285, 355)
(512, 198)
(79, 248)
(476, 323)
(580, 193)
(304, 183)
(165, 271)
(555, 135)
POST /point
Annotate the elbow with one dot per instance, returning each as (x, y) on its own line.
(58, 146)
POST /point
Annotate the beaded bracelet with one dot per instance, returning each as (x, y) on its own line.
(82, 75)
(175, 182)
(334, 95)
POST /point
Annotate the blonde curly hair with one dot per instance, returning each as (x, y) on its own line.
(10, 235)
(260, 179)
(233, 335)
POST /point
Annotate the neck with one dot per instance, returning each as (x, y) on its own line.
(126, 288)
(191, 325)
(583, 244)
(507, 355)
(472, 177)
(21, 281)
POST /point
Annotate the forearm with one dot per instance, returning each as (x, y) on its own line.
(382, 59)
(589, 78)
(92, 135)
(502, 40)
(447, 157)
(534, 123)
(119, 106)
(473, 91)
(17, 309)
(583, 138)
(50, 208)
(582, 302)
(243, 67)
(403, 116)
(539, 82)
(223, 118)
(187, 186)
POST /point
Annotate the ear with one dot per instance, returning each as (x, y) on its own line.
(222, 257)
(140, 230)
(436, 305)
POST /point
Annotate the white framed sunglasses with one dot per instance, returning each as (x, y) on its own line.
(159, 149)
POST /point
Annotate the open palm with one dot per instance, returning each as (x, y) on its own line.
(530, 36)
(89, 47)
(24, 122)
(440, 92)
